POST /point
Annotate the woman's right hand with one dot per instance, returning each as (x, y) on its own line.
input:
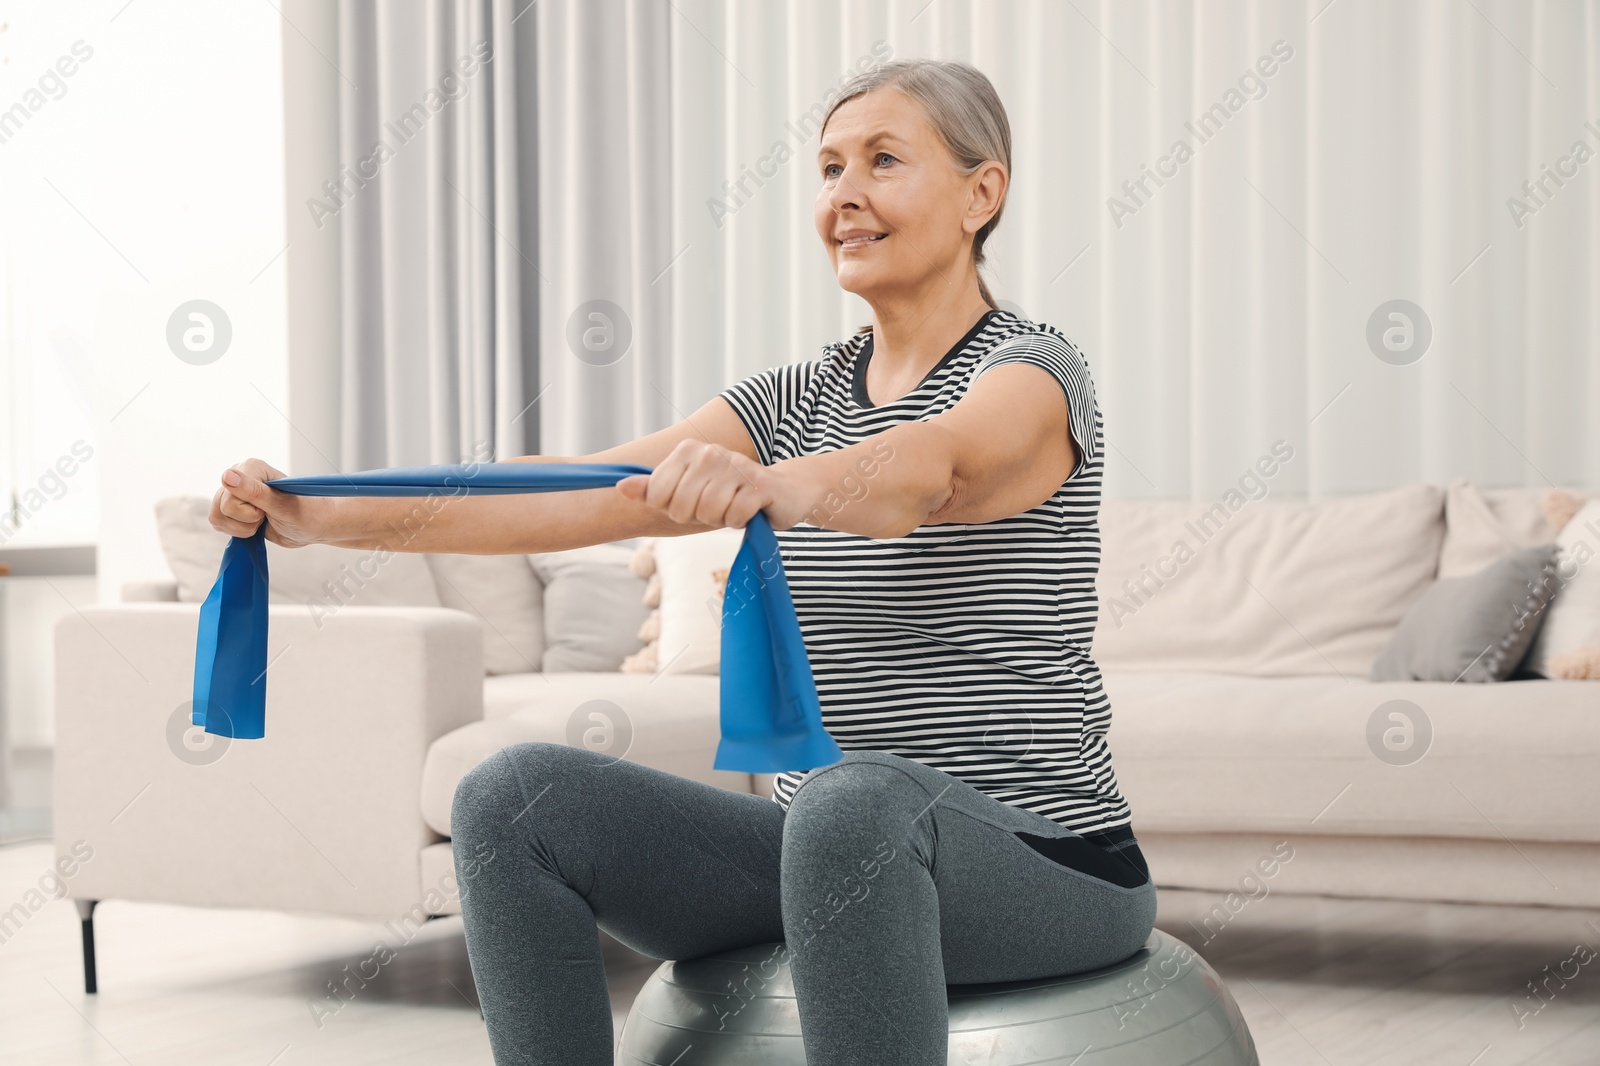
(238, 509)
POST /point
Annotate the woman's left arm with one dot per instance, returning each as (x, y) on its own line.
(1003, 448)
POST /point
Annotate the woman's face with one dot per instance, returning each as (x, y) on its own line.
(884, 170)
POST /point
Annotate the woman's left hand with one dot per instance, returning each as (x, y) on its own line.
(705, 483)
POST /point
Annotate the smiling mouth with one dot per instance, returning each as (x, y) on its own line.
(860, 242)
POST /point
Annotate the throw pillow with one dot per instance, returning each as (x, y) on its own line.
(687, 579)
(645, 660)
(1474, 534)
(321, 576)
(1573, 624)
(1475, 628)
(1481, 525)
(691, 598)
(505, 595)
(593, 606)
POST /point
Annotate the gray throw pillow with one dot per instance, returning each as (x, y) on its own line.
(1474, 628)
(593, 608)
(503, 593)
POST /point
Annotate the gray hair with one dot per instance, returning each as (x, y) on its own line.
(964, 110)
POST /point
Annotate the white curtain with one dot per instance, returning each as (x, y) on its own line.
(1228, 307)
(606, 367)
(503, 211)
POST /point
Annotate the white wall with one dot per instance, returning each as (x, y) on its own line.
(180, 150)
(153, 178)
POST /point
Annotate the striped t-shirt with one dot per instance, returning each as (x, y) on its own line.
(961, 646)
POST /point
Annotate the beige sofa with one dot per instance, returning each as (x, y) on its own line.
(1236, 666)
(1243, 716)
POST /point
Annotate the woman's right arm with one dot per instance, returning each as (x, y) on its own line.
(511, 524)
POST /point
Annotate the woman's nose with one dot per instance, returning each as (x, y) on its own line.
(845, 193)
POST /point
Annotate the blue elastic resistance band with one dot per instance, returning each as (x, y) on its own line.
(771, 719)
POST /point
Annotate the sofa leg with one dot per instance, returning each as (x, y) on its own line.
(86, 917)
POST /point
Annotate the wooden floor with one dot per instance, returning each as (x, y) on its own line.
(1322, 982)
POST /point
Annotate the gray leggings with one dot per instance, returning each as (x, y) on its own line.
(886, 878)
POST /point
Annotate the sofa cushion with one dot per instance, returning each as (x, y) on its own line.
(1573, 621)
(1481, 525)
(502, 592)
(670, 723)
(319, 575)
(1473, 628)
(693, 570)
(507, 694)
(1212, 753)
(1268, 588)
(1475, 534)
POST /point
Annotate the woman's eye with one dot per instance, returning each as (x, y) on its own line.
(827, 171)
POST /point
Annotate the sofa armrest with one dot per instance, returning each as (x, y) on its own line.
(321, 815)
(150, 592)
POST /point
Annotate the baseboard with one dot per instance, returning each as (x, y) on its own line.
(1445, 869)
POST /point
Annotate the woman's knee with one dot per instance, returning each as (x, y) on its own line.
(865, 791)
(500, 794)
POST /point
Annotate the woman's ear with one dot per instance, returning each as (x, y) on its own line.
(989, 184)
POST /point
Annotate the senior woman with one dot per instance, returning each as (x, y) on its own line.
(935, 484)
